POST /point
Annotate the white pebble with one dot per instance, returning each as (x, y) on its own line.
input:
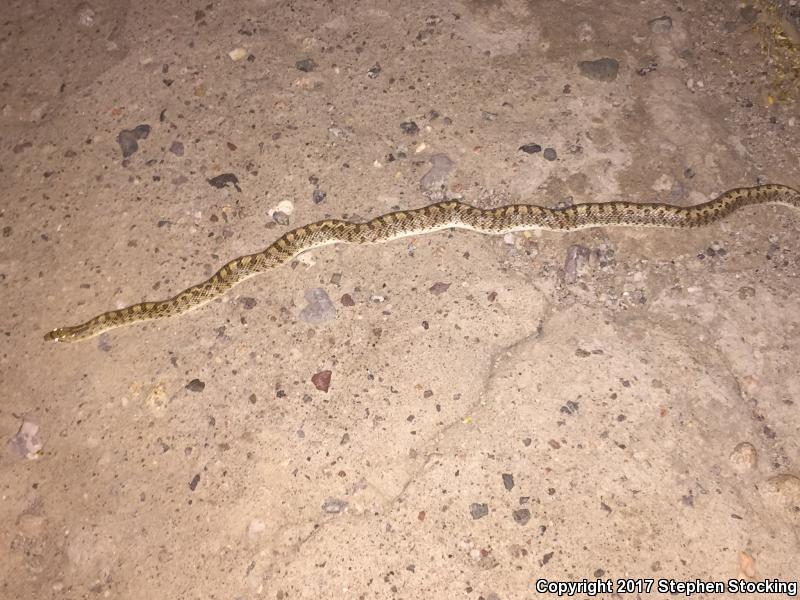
(237, 54)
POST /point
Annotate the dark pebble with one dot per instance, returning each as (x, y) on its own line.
(530, 148)
(409, 127)
(374, 71)
(522, 516)
(141, 131)
(347, 300)
(195, 385)
(176, 148)
(602, 69)
(306, 65)
(508, 481)
(281, 218)
(127, 142)
(318, 196)
(648, 68)
(550, 154)
(248, 303)
(527, 442)
(439, 288)
(322, 380)
(478, 510)
(193, 483)
(221, 181)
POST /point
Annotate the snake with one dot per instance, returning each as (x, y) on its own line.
(449, 214)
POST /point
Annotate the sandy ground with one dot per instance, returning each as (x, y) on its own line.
(450, 416)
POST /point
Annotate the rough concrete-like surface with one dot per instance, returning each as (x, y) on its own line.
(451, 416)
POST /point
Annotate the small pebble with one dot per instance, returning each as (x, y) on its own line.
(436, 177)
(225, 179)
(319, 308)
(783, 490)
(318, 196)
(195, 385)
(86, 15)
(439, 288)
(648, 68)
(248, 303)
(347, 300)
(746, 292)
(744, 457)
(576, 262)
(508, 481)
(602, 69)
(306, 65)
(409, 127)
(550, 154)
(280, 217)
(374, 71)
(176, 148)
(530, 148)
(522, 516)
(193, 483)
(127, 142)
(141, 131)
(26, 442)
(237, 54)
(333, 506)
(322, 380)
(660, 24)
(478, 510)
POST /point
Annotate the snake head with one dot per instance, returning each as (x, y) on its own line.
(62, 334)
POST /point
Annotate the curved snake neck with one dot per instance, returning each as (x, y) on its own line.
(428, 219)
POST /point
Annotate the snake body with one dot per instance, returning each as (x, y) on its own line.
(428, 219)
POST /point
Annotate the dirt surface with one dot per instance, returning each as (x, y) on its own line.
(450, 416)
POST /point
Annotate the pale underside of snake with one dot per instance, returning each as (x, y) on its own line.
(428, 219)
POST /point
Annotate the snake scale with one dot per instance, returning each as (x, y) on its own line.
(428, 219)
